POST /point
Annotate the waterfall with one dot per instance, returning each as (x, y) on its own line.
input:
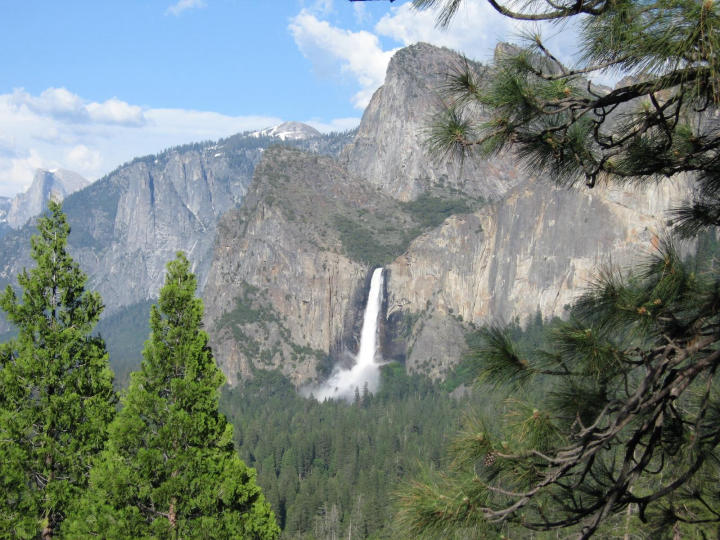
(343, 382)
(368, 336)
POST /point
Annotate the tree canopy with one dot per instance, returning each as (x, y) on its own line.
(630, 426)
(56, 395)
(170, 469)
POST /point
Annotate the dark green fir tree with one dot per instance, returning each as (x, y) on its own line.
(56, 395)
(170, 469)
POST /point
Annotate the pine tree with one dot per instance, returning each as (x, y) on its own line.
(56, 395)
(658, 122)
(170, 469)
(631, 425)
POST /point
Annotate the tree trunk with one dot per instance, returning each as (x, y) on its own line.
(172, 516)
(47, 532)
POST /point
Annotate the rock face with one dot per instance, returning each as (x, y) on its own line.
(291, 266)
(390, 147)
(285, 282)
(127, 225)
(533, 251)
(283, 240)
(55, 184)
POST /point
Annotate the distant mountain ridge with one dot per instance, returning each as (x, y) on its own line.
(128, 224)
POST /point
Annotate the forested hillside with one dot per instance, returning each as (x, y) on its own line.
(334, 469)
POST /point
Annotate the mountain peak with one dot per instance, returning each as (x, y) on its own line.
(55, 184)
(289, 131)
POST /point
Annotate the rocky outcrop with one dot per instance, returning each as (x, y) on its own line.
(390, 148)
(533, 251)
(55, 184)
(283, 288)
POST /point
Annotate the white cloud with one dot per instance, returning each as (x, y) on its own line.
(360, 56)
(337, 124)
(62, 104)
(474, 30)
(319, 7)
(114, 111)
(82, 158)
(57, 102)
(20, 170)
(183, 5)
(357, 54)
(60, 129)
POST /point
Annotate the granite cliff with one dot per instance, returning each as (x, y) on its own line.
(284, 240)
(287, 282)
(390, 148)
(532, 251)
(515, 246)
(47, 184)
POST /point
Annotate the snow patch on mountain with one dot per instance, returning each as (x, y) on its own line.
(289, 131)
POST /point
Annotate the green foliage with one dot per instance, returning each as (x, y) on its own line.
(331, 468)
(430, 211)
(628, 429)
(654, 124)
(124, 333)
(363, 244)
(56, 396)
(618, 416)
(377, 244)
(169, 469)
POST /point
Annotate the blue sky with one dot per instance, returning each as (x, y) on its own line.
(87, 85)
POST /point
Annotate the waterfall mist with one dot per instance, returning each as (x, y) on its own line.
(343, 382)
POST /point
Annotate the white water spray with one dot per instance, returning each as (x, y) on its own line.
(342, 383)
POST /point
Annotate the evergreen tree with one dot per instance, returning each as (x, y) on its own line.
(631, 424)
(170, 469)
(56, 395)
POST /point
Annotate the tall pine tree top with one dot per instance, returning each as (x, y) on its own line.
(56, 396)
(170, 469)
